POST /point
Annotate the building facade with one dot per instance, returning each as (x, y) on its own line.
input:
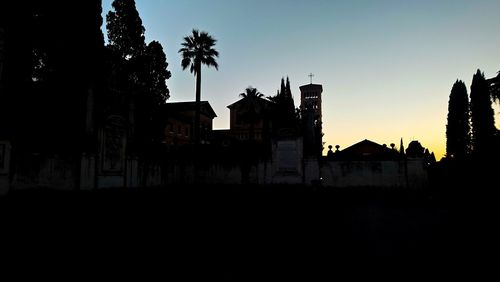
(179, 122)
(368, 164)
(250, 122)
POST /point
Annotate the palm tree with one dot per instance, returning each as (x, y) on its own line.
(197, 49)
(252, 108)
(251, 93)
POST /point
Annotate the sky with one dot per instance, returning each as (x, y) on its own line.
(386, 66)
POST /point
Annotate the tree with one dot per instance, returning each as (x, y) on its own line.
(157, 72)
(482, 116)
(289, 103)
(125, 30)
(285, 114)
(146, 65)
(127, 47)
(137, 71)
(282, 92)
(252, 108)
(458, 127)
(152, 68)
(63, 57)
(495, 88)
(197, 50)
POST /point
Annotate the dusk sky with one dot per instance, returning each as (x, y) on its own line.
(387, 67)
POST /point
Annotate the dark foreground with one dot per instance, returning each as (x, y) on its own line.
(239, 233)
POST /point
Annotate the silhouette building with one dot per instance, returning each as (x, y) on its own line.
(368, 164)
(310, 105)
(246, 121)
(98, 133)
(179, 122)
(367, 150)
(310, 99)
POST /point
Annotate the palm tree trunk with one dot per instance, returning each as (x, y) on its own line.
(197, 123)
(197, 104)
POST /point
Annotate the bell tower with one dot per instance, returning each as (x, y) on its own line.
(310, 105)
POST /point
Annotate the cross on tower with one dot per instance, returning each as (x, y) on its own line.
(311, 77)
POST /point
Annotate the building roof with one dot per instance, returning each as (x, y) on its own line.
(311, 87)
(366, 150)
(415, 149)
(176, 107)
(240, 101)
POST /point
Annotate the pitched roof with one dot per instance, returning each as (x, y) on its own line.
(262, 100)
(366, 149)
(205, 107)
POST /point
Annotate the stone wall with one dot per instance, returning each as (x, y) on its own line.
(35, 170)
(417, 173)
(87, 172)
(409, 173)
(28, 170)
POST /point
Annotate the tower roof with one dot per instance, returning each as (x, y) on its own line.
(311, 87)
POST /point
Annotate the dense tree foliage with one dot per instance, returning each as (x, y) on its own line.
(458, 127)
(48, 70)
(146, 65)
(137, 72)
(495, 88)
(482, 116)
(157, 72)
(285, 114)
(125, 29)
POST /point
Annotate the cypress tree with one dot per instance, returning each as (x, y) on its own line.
(495, 88)
(289, 103)
(287, 88)
(458, 127)
(482, 115)
(283, 89)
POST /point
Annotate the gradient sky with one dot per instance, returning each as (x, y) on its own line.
(387, 67)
